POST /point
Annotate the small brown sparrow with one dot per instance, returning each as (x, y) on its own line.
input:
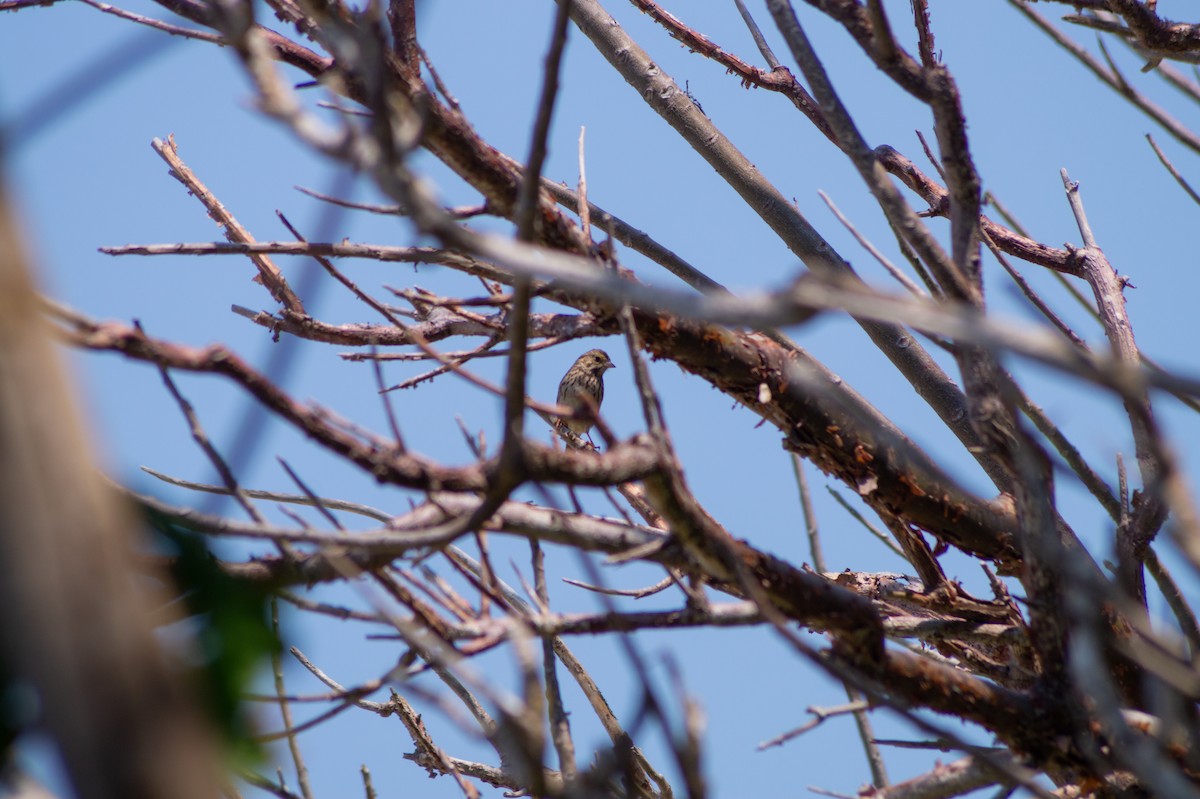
(582, 390)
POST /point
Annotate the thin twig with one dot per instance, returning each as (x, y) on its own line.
(875, 761)
(285, 712)
(819, 716)
(275, 496)
(1184, 616)
(636, 593)
(1166, 162)
(174, 30)
(900, 277)
(760, 41)
(870, 528)
(269, 274)
(560, 727)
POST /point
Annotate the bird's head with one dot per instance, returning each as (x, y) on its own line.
(595, 361)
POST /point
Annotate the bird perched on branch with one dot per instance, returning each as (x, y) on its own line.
(582, 390)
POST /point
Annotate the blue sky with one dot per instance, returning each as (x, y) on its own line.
(88, 178)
